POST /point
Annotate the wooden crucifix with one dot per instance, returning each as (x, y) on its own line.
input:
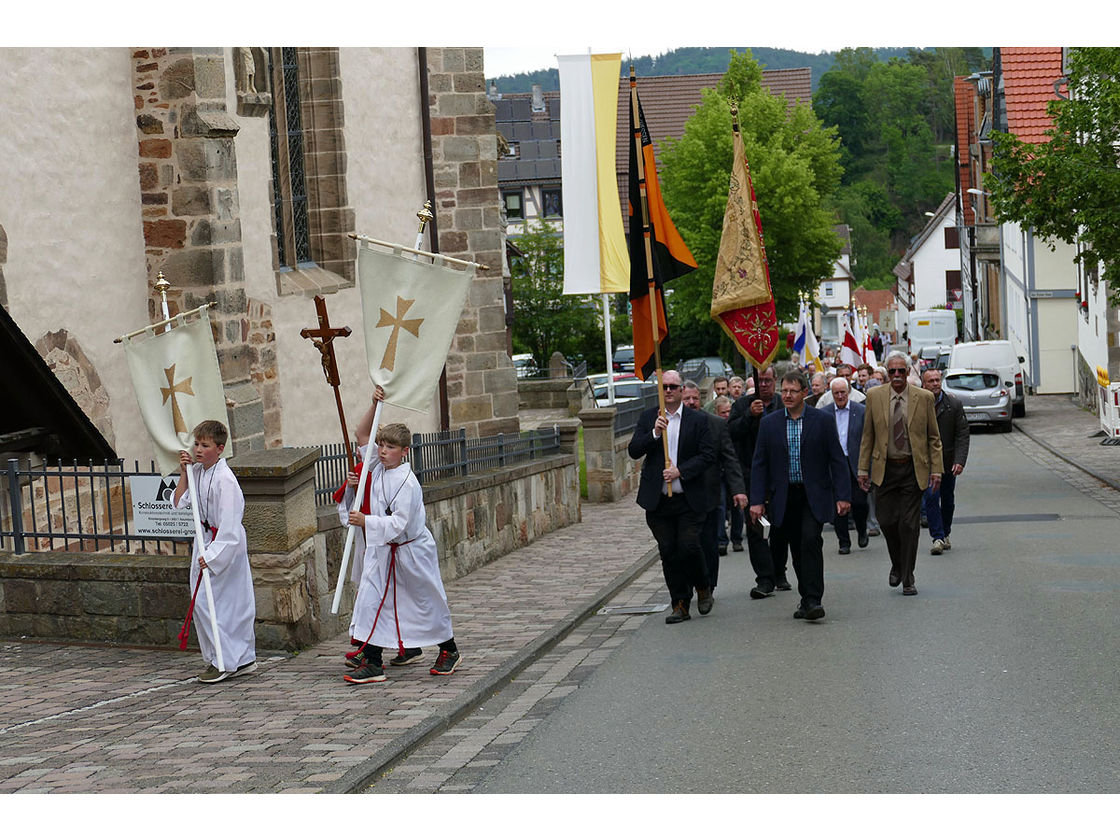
(323, 339)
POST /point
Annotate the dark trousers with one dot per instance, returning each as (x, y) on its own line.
(676, 528)
(779, 547)
(939, 506)
(728, 509)
(736, 523)
(709, 541)
(859, 513)
(802, 533)
(758, 550)
(898, 501)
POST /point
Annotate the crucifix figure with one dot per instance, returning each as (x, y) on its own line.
(174, 388)
(387, 320)
(323, 339)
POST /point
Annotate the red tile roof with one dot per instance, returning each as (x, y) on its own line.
(1029, 74)
(965, 96)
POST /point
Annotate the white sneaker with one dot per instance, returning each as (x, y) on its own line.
(945, 544)
(938, 547)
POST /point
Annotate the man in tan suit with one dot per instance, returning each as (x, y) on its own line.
(900, 453)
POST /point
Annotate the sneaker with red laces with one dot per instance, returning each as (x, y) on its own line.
(446, 663)
(358, 659)
(368, 673)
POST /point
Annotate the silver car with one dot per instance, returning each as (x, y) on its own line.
(985, 397)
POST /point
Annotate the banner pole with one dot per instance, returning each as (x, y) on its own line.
(371, 447)
(608, 341)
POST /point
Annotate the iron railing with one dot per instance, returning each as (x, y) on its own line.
(439, 455)
(627, 414)
(74, 507)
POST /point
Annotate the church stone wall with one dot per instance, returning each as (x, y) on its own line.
(71, 212)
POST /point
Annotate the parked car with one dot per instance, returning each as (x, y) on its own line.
(701, 368)
(623, 359)
(985, 396)
(929, 327)
(525, 365)
(999, 356)
(935, 357)
(627, 389)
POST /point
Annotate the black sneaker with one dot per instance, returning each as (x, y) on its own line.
(358, 659)
(212, 675)
(369, 673)
(446, 663)
(763, 590)
(247, 668)
(409, 656)
(782, 584)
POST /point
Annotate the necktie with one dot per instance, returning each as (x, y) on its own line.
(899, 425)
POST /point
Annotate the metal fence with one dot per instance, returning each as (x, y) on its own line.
(627, 416)
(439, 455)
(74, 507)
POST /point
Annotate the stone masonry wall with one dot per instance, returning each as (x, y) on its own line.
(191, 215)
(481, 381)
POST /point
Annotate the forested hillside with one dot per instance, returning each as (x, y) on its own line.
(685, 60)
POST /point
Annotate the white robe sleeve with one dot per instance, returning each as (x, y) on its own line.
(230, 505)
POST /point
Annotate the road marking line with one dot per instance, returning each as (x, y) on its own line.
(92, 706)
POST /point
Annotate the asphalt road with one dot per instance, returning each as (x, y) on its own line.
(1001, 676)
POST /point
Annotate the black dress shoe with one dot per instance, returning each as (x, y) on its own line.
(782, 584)
(799, 612)
(862, 540)
(910, 590)
(763, 590)
(679, 614)
(704, 601)
(894, 579)
(814, 613)
(723, 551)
(845, 549)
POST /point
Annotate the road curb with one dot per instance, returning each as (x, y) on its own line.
(1072, 462)
(360, 777)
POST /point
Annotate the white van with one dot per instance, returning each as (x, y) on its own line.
(998, 356)
(930, 327)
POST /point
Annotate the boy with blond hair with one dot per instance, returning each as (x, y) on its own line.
(401, 602)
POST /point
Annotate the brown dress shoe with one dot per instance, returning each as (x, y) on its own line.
(679, 614)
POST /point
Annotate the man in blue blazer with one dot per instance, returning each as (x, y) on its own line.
(848, 416)
(799, 466)
(675, 519)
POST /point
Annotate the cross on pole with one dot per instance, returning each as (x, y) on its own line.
(171, 391)
(386, 320)
(323, 339)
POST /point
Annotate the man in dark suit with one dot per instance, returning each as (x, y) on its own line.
(952, 423)
(673, 493)
(725, 472)
(848, 416)
(901, 455)
(799, 466)
(767, 559)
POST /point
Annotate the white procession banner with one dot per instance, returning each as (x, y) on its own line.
(178, 384)
(410, 310)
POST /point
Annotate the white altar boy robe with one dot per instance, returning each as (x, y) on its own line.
(222, 504)
(417, 603)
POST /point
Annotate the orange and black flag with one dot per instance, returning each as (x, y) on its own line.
(657, 252)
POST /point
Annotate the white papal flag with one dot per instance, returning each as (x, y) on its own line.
(410, 310)
(178, 384)
(596, 258)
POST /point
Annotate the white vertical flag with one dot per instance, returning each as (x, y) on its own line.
(410, 310)
(178, 384)
(595, 255)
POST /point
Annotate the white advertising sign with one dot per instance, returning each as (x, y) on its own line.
(152, 512)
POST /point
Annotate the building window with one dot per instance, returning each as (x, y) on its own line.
(550, 198)
(313, 253)
(828, 290)
(515, 208)
(952, 238)
(513, 153)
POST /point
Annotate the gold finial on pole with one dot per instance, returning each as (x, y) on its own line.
(425, 215)
(162, 286)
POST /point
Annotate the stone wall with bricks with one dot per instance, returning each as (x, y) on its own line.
(191, 216)
(481, 381)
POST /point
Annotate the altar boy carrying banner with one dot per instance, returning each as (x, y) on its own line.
(178, 387)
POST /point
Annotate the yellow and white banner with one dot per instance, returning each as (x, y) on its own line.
(178, 384)
(596, 258)
(410, 310)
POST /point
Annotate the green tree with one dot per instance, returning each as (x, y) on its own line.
(545, 320)
(1069, 187)
(795, 167)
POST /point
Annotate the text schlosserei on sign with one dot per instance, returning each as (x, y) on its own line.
(153, 514)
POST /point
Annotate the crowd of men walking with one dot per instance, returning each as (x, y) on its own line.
(771, 463)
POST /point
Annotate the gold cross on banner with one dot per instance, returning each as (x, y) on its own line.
(174, 388)
(387, 320)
